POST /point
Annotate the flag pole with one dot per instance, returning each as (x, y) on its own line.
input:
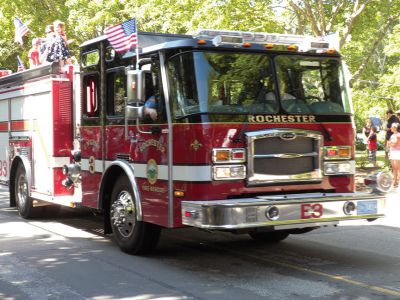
(137, 45)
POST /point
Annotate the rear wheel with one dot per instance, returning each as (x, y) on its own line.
(132, 236)
(21, 192)
(269, 237)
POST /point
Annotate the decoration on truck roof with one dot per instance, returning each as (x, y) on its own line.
(21, 66)
(123, 37)
(20, 30)
(303, 42)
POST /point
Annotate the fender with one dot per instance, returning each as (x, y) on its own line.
(124, 167)
(25, 162)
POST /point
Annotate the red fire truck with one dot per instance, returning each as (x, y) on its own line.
(223, 130)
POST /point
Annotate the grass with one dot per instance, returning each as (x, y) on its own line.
(362, 161)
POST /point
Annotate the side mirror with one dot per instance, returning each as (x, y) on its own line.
(136, 93)
(136, 85)
(134, 112)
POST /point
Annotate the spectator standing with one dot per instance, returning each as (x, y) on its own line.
(367, 130)
(391, 118)
(33, 54)
(46, 43)
(372, 145)
(58, 50)
(394, 144)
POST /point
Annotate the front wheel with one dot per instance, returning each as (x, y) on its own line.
(21, 192)
(132, 236)
(269, 237)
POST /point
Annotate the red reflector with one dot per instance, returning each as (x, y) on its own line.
(238, 155)
(188, 214)
(331, 152)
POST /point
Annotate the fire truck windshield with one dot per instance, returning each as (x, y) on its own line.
(226, 83)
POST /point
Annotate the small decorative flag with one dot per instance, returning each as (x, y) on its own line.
(20, 30)
(122, 36)
(21, 66)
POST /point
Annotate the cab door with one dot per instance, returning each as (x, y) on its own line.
(92, 123)
(91, 139)
(149, 151)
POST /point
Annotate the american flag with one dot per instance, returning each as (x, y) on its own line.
(20, 30)
(21, 66)
(122, 36)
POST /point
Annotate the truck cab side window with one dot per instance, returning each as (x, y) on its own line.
(90, 95)
(116, 93)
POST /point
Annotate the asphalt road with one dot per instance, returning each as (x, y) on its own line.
(68, 258)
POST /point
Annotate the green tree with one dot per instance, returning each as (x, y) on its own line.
(363, 27)
(388, 83)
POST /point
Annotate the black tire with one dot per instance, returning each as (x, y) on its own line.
(269, 237)
(302, 230)
(21, 192)
(132, 236)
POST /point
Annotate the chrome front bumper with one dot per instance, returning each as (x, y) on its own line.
(295, 210)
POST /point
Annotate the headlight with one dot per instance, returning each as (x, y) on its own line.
(229, 172)
(337, 152)
(339, 168)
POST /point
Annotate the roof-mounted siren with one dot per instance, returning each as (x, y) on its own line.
(313, 44)
(322, 44)
(221, 37)
(303, 42)
(333, 40)
(227, 39)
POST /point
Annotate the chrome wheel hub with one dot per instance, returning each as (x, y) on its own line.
(22, 191)
(123, 215)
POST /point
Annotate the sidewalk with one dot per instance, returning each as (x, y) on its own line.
(392, 209)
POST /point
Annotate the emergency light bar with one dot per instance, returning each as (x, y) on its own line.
(304, 42)
(227, 39)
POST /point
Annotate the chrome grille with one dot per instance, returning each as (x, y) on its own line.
(284, 155)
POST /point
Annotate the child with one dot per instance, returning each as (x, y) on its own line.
(58, 50)
(33, 54)
(46, 44)
(59, 28)
(372, 146)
